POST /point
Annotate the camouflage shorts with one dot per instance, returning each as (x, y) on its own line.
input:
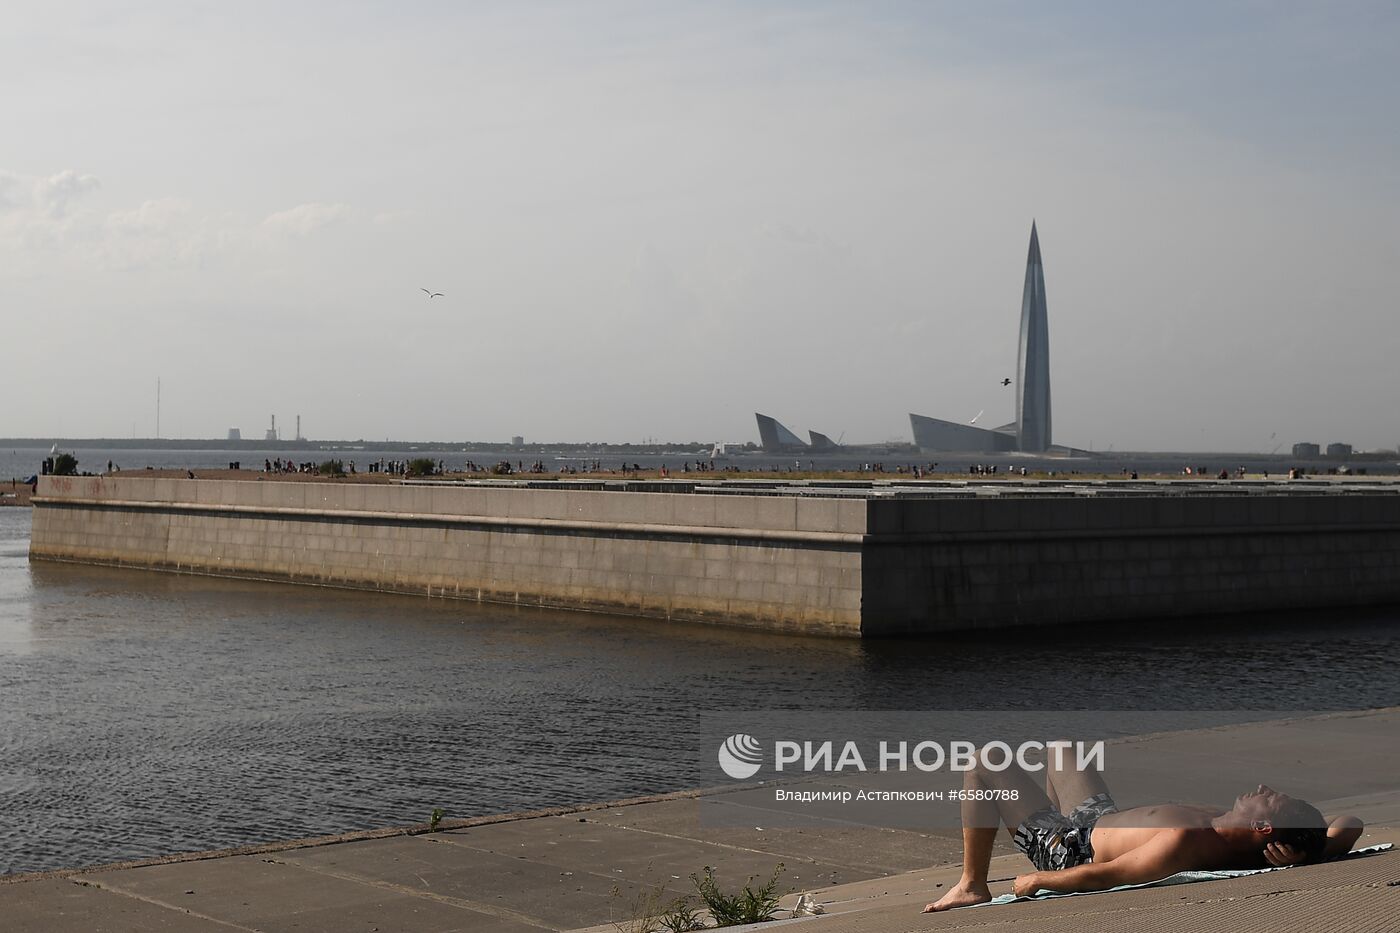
(1053, 840)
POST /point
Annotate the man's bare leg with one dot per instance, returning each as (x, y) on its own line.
(1050, 790)
(1069, 786)
(980, 821)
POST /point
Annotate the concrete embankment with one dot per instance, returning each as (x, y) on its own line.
(836, 559)
(559, 870)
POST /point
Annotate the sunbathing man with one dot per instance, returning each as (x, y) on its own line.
(1096, 846)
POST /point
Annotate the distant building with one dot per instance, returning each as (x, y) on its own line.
(1339, 450)
(271, 434)
(1306, 450)
(517, 440)
(1031, 429)
(774, 437)
(1033, 357)
(935, 434)
(821, 442)
(234, 434)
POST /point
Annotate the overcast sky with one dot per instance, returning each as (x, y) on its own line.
(653, 219)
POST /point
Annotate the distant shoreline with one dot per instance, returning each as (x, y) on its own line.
(344, 446)
(887, 450)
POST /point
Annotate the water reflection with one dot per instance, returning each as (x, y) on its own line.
(15, 632)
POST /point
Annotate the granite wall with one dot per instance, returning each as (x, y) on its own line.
(830, 565)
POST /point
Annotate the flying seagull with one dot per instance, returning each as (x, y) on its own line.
(430, 294)
(1006, 382)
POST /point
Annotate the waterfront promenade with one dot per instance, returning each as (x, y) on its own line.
(557, 870)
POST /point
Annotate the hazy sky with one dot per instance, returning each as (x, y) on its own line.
(651, 219)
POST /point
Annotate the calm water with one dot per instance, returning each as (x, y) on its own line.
(144, 713)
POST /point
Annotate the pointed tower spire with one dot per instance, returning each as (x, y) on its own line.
(1033, 357)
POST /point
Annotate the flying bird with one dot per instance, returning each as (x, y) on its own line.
(430, 294)
(1006, 382)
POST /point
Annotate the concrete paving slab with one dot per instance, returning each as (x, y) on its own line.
(1378, 810)
(531, 892)
(642, 857)
(907, 892)
(62, 905)
(848, 851)
(270, 896)
(1331, 757)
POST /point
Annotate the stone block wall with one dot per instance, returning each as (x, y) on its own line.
(962, 564)
(777, 563)
(819, 564)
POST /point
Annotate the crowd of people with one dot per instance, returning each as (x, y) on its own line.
(596, 467)
(288, 466)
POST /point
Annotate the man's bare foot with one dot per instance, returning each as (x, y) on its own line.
(963, 894)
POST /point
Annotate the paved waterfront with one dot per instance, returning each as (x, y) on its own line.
(556, 871)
